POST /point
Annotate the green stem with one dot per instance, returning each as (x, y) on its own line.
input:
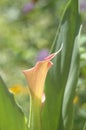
(35, 123)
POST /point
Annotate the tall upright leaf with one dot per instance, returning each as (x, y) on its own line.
(84, 128)
(11, 117)
(68, 107)
(62, 73)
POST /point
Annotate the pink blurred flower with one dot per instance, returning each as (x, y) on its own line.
(83, 5)
(42, 54)
(28, 7)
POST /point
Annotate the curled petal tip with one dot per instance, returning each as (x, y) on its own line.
(50, 57)
(24, 72)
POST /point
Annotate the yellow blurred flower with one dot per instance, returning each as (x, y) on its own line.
(17, 89)
(76, 100)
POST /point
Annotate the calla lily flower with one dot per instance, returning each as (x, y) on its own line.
(36, 76)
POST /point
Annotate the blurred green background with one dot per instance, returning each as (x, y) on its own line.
(26, 27)
(27, 31)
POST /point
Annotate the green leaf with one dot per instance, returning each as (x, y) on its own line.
(84, 128)
(11, 116)
(68, 107)
(64, 73)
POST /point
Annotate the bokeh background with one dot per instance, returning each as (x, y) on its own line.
(27, 32)
(27, 27)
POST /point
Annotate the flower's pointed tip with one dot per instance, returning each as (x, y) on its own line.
(24, 72)
(50, 57)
